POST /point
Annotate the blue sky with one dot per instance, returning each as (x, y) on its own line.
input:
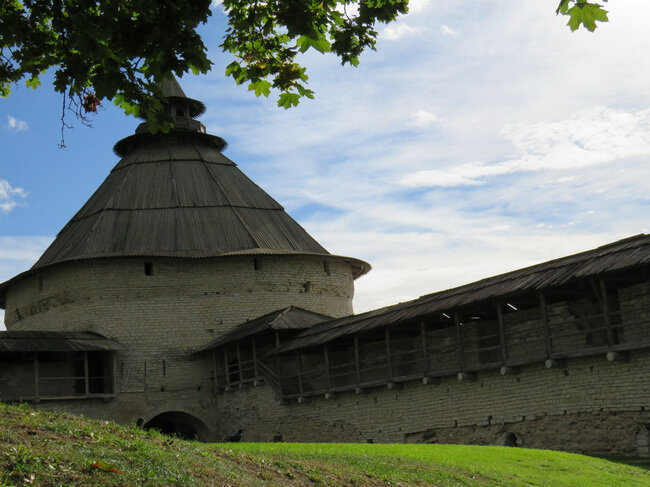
(480, 137)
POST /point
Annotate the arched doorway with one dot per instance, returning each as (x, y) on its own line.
(176, 423)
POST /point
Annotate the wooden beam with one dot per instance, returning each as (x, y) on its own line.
(255, 371)
(357, 364)
(425, 348)
(113, 365)
(214, 369)
(548, 344)
(327, 367)
(278, 362)
(300, 388)
(225, 362)
(608, 318)
(459, 339)
(388, 354)
(36, 376)
(502, 334)
(86, 374)
(239, 363)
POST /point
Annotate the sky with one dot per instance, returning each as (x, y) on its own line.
(480, 137)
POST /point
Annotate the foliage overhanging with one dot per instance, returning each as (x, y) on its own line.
(120, 51)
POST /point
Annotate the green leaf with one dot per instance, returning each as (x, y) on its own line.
(288, 100)
(586, 14)
(33, 82)
(261, 87)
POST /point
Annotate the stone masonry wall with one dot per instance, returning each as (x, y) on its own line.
(162, 318)
(591, 406)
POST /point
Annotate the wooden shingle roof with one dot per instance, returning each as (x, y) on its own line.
(615, 256)
(177, 195)
(291, 318)
(55, 341)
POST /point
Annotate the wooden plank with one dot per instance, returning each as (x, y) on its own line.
(608, 318)
(36, 376)
(278, 363)
(425, 349)
(112, 356)
(545, 325)
(357, 364)
(459, 339)
(327, 367)
(86, 374)
(255, 369)
(502, 334)
(225, 362)
(300, 388)
(239, 363)
(214, 368)
(388, 354)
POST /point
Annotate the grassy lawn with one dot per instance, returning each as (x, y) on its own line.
(458, 464)
(55, 449)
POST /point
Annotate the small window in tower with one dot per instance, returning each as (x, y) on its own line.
(180, 112)
(148, 268)
(326, 267)
(40, 282)
(257, 264)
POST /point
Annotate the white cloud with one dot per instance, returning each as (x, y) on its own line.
(418, 6)
(595, 136)
(396, 31)
(16, 124)
(8, 196)
(448, 31)
(423, 118)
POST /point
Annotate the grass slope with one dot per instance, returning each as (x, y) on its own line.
(51, 449)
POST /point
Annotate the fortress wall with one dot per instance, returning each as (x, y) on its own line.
(164, 317)
(591, 406)
(588, 405)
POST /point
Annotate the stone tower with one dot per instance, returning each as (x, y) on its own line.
(176, 247)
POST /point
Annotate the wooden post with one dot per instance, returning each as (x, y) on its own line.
(425, 349)
(459, 338)
(113, 356)
(225, 361)
(255, 371)
(502, 334)
(278, 363)
(239, 363)
(545, 325)
(327, 367)
(357, 364)
(300, 389)
(86, 374)
(608, 318)
(214, 369)
(388, 357)
(36, 376)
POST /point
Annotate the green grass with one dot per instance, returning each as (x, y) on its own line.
(55, 449)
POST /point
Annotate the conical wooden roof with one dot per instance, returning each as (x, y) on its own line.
(177, 195)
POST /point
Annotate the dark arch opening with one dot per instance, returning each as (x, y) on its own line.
(510, 440)
(181, 425)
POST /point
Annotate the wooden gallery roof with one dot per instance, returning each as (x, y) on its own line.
(55, 341)
(291, 318)
(618, 255)
(177, 195)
